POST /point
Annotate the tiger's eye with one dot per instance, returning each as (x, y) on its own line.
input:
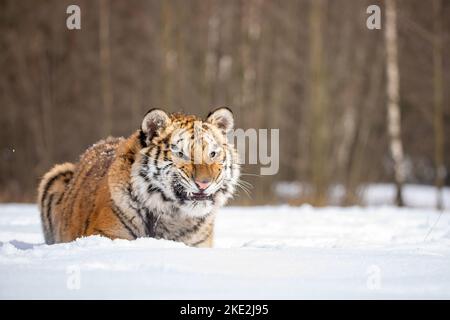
(212, 154)
(180, 154)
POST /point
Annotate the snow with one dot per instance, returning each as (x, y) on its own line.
(373, 194)
(414, 195)
(268, 252)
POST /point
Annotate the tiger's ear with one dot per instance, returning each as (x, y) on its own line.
(222, 118)
(154, 120)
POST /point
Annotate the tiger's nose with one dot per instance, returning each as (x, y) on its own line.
(203, 183)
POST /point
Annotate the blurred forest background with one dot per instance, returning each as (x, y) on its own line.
(354, 106)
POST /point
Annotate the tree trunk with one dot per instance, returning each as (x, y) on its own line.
(318, 103)
(438, 101)
(105, 65)
(393, 108)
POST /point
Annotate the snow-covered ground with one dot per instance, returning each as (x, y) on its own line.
(260, 252)
(414, 195)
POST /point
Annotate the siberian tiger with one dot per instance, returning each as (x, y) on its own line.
(166, 181)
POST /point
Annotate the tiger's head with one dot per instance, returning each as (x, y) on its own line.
(186, 162)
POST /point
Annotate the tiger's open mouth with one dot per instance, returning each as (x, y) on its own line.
(181, 194)
(200, 196)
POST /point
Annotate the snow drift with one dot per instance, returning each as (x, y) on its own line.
(260, 252)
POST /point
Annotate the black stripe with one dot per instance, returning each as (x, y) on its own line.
(134, 200)
(152, 189)
(202, 240)
(166, 166)
(150, 223)
(156, 160)
(142, 138)
(50, 183)
(165, 158)
(60, 198)
(74, 192)
(134, 204)
(225, 188)
(87, 222)
(122, 219)
(217, 178)
(145, 161)
(195, 228)
(166, 233)
(143, 175)
(49, 232)
(179, 192)
(158, 153)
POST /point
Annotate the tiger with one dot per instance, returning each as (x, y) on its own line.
(167, 180)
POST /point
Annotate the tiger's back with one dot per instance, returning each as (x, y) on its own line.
(81, 193)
